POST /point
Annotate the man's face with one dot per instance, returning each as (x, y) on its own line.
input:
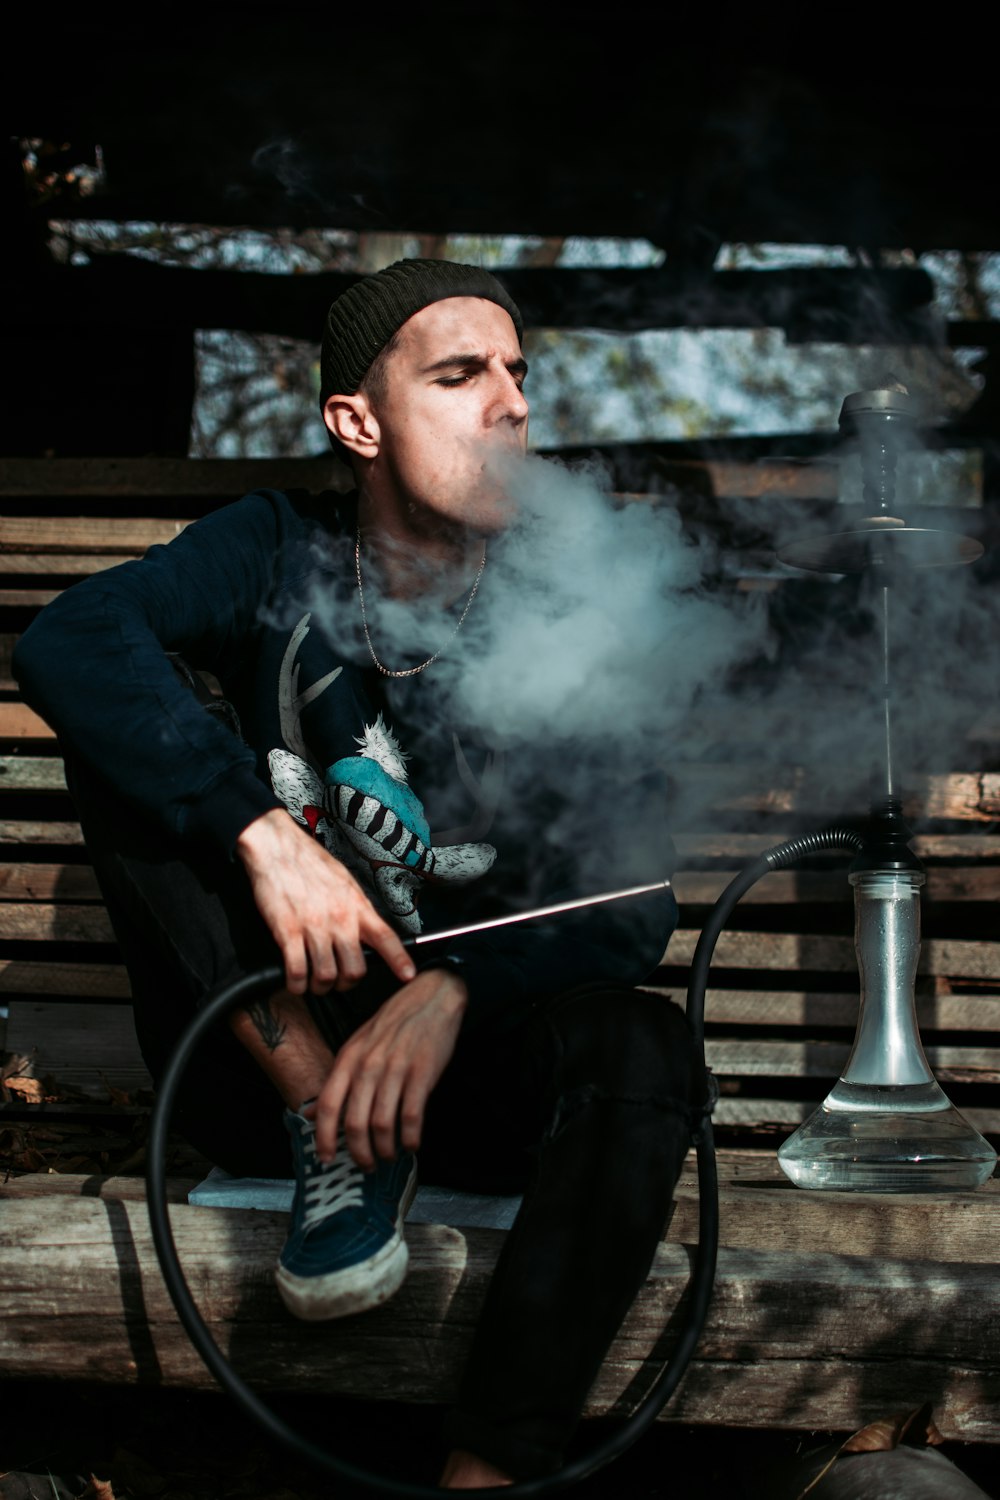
(453, 414)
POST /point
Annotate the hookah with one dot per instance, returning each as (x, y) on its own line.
(886, 1125)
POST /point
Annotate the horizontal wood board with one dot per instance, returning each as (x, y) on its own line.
(796, 1334)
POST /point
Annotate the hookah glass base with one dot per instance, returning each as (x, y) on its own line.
(907, 1138)
(887, 1126)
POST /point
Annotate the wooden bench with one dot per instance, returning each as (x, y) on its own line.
(830, 1309)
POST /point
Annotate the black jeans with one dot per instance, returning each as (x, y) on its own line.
(583, 1103)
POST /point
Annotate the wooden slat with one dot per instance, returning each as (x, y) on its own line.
(31, 882)
(37, 882)
(971, 797)
(28, 833)
(80, 1046)
(804, 1009)
(741, 847)
(758, 1207)
(120, 535)
(752, 1113)
(71, 1268)
(77, 1185)
(163, 478)
(747, 1059)
(27, 598)
(54, 923)
(63, 564)
(747, 846)
(137, 479)
(955, 957)
(772, 789)
(19, 722)
(27, 773)
(20, 976)
(784, 887)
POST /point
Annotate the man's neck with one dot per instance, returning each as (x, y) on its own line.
(404, 561)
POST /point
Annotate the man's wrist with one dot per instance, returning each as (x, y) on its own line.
(451, 969)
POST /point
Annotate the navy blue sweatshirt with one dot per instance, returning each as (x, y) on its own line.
(436, 823)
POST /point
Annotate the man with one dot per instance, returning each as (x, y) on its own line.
(357, 803)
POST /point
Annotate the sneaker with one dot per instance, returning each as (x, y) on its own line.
(346, 1250)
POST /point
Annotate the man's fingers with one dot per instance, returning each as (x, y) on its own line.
(327, 1111)
(293, 952)
(380, 936)
(323, 970)
(385, 1116)
(357, 1121)
(351, 965)
(411, 1109)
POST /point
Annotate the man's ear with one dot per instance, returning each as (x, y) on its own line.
(352, 422)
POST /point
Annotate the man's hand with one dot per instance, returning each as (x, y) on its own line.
(384, 1073)
(314, 908)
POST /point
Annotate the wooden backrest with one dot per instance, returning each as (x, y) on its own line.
(783, 1003)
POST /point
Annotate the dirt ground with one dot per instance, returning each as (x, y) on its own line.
(62, 1441)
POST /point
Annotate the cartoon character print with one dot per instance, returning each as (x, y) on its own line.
(362, 807)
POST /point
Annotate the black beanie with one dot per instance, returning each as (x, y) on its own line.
(364, 318)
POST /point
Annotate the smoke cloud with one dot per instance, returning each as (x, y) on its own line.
(600, 636)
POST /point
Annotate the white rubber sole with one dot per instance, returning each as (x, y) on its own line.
(355, 1289)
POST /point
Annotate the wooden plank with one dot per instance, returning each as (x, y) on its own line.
(747, 846)
(20, 976)
(803, 1008)
(758, 1207)
(62, 564)
(746, 1058)
(777, 950)
(30, 773)
(82, 1047)
(970, 958)
(29, 834)
(754, 1113)
(49, 922)
(750, 788)
(726, 788)
(164, 478)
(19, 722)
(952, 1227)
(31, 882)
(784, 887)
(222, 479)
(27, 598)
(733, 846)
(80, 1185)
(119, 535)
(83, 1299)
(72, 882)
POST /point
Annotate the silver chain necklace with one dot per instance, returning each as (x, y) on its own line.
(410, 671)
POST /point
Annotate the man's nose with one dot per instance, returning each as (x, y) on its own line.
(510, 400)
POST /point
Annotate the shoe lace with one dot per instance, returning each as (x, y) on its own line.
(329, 1187)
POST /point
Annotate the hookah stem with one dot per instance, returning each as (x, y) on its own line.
(539, 911)
(887, 692)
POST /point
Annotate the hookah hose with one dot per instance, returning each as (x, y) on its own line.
(245, 990)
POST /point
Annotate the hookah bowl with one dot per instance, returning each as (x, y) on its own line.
(887, 1125)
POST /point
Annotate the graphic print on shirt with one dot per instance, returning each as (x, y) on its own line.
(361, 807)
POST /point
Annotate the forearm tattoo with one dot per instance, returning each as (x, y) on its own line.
(270, 1030)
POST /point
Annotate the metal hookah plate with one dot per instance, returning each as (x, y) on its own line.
(881, 545)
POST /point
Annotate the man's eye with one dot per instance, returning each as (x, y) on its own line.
(453, 379)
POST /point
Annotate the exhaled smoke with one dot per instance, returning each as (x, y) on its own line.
(596, 646)
(592, 639)
(595, 621)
